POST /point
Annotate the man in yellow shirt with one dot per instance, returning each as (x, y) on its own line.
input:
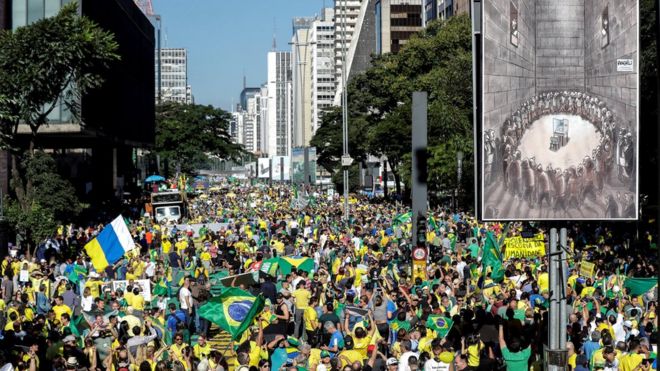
(94, 284)
(301, 297)
(60, 308)
(639, 351)
(311, 319)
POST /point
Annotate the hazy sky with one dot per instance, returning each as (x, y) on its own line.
(228, 38)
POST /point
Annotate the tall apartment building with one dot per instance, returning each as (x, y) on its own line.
(279, 87)
(359, 19)
(346, 16)
(261, 121)
(174, 75)
(397, 21)
(301, 65)
(322, 38)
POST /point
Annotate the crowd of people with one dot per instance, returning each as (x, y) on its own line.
(360, 307)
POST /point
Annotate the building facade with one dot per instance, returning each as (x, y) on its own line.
(397, 21)
(117, 117)
(174, 75)
(444, 9)
(301, 65)
(322, 66)
(279, 106)
(346, 16)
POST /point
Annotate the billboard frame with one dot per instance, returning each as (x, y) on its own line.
(478, 49)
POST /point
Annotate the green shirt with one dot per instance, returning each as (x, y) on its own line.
(516, 361)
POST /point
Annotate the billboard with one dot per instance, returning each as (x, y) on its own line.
(280, 162)
(557, 126)
(298, 164)
(263, 168)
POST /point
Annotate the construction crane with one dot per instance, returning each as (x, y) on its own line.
(146, 7)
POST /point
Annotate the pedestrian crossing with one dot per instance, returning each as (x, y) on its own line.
(220, 340)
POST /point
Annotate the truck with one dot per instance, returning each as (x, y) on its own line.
(168, 206)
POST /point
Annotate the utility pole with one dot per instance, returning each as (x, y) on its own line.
(557, 353)
(346, 158)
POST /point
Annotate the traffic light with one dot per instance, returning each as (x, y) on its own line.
(421, 230)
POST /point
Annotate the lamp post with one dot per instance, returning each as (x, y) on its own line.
(346, 158)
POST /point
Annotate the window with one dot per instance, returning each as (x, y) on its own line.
(35, 10)
(19, 13)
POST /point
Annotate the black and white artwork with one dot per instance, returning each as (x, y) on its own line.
(560, 115)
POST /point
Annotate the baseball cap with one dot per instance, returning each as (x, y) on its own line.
(627, 324)
(325, 353)
(69, 338)
(392, 361)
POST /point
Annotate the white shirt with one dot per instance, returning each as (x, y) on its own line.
(151, 269)
(403, 361)
(183, 294)
(86, 303)
(433, 365)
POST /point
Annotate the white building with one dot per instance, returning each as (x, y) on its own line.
(279, 104)
(322, 40)
(301, 65)
(346, 18)
(174, 75)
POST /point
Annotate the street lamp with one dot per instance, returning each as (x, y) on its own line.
(346, 158)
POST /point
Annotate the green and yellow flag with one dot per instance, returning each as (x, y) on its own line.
(492, 257)
(402, 219)
(286, 264)
(233, 310)
(439, 324)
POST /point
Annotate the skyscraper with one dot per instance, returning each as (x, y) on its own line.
(278, 132)
(322, 37)
(301, 65)
(174, 75)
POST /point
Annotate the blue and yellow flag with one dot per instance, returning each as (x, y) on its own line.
(439, 324)
(233, 310)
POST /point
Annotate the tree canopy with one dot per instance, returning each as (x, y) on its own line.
(187, 134)
(48, 63)
(437, 60)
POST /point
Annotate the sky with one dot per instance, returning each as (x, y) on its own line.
(229, 38)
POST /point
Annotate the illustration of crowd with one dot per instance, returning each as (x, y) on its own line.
(562, 189)
(298, 288)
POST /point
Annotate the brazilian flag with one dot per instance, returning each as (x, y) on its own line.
(402, 219)
(492, 257)
(439, 324)
(270, 266)
(77, 273)
(233, 310)
(433, 224)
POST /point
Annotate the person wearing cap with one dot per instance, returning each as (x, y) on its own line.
(325, 361)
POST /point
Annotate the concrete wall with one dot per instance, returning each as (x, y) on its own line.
(559, 45)
(617, 89)
(509, 71)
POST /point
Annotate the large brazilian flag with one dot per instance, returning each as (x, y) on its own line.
(233, 310)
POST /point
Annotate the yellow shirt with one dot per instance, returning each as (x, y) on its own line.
(572, 361)
(351, 355)
(202, 351)
(302, 297)
(167, 246)
(138, 302)
(177, 350)
(544, 281)
(311, 319)
(205, 256)
(128, 296)
(473, 354)
(94, 288)
(61, 309)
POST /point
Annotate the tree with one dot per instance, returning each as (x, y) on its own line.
(48, 63)
(53, 199)
(186, 134)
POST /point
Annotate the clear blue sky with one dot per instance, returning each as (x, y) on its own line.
(226, 38)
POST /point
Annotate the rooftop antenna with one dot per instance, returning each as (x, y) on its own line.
(274, 34)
